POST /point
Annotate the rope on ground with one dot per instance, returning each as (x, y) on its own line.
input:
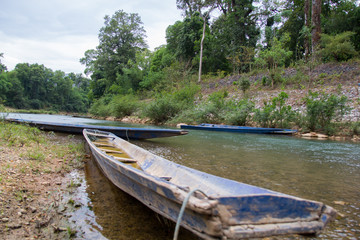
(182, 210)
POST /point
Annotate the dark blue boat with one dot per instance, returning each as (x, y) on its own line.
(123, 132)
(215, 207)
(238, 129)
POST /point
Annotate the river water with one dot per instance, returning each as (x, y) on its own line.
(325, 171)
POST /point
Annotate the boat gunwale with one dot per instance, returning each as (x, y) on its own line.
(149, 176)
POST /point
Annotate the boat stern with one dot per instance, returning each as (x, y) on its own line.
(269, 215)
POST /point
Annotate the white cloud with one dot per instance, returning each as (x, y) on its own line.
(62, 53)
(57, 33)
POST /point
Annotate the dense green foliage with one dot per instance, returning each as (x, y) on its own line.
(37, 87)
(322, 109)
(338, 48)
(120, 39)
(276, 113)
(244, 36)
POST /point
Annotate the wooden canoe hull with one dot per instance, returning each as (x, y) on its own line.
(123, 132)
(238, 129)
(231, 210)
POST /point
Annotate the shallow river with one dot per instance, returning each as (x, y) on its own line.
(325, 171)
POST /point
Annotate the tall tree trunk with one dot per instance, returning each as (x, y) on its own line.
(307, 25)
(202, 41)
(201, 49)
(316, 22)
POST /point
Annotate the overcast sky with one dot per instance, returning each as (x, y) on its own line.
(56, 33)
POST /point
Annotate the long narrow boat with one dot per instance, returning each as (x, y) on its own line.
(219, 208)
(123, 132)
(238, 129)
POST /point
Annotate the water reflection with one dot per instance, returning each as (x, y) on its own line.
(109, 213)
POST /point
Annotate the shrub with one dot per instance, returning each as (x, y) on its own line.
(209, 113)
(162, 109)
(122, 106)
(2, 108)
(265, 81)
(100, 108)
(337, 48)
(218, 98)
(276, 113)
(264, 116)
(186, 95)
(240, 114)
(322, 109)
(356, 128)
(244, 84)
(35, 104)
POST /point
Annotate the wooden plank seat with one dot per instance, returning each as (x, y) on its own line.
(125, 160)
(110, 150)
(100, 144)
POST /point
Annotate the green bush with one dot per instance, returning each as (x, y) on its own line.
(162, 109)
(322, 109)
(209, 112)
(244, 84)
(240, 114)
(100, 108)
(337, 48)
(124, 105)
(276, 113)
(356, 128)
(2, 108)
(218, 99)
(186, 95)
(265, 81)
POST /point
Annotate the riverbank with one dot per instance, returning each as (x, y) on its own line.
(35, 189)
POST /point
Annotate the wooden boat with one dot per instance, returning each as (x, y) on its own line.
(238, 129)
(219, 208)
(123, 132)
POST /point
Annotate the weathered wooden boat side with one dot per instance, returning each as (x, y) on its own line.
(222, 209)
(123, 132)
(238, 129)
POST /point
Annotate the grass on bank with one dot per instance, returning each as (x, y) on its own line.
(40, 151)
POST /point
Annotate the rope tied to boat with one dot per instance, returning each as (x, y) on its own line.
(127, 136)
(182, 210)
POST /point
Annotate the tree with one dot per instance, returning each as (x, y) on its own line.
(37, 87)
(275, 57)
(316, 23)
(342, 17)
(122, 36)
(307, 26)
(208, 6)
(2, 66)
(236, 28)
(181, 37)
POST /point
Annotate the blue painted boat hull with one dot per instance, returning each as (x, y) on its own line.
(228, 210)
(123, 132)
(238, 129)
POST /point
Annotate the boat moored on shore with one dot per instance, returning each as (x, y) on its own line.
(217, 208)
